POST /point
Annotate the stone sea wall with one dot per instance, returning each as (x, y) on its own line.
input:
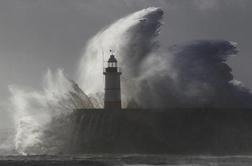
(173, 131)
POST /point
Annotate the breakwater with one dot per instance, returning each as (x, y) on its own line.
(173, 131)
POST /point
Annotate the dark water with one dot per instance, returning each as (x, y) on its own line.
(125, 160)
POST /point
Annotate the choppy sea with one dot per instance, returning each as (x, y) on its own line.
(124, 160)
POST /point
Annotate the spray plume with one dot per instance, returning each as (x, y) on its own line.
(192, 74)
(41, 115)
(197, 76)
(131, 38)
(35, 110)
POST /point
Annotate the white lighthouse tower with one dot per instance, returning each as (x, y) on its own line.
(112, 97)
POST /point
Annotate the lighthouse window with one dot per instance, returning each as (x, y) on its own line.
(112, 64)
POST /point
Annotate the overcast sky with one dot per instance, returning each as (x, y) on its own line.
(39, 34)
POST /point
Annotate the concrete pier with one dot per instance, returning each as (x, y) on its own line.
(173, 131)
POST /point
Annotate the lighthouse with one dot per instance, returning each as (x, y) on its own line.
(112, 96)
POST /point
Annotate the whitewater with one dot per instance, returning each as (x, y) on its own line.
(35, 110)
(153, 77)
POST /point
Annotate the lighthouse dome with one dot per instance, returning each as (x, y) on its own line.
(112, 58)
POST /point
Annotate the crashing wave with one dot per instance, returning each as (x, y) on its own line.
(132, 38)
(192, 74)
(35, 110)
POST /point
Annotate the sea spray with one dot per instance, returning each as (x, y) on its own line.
(40, 115)
(34, 110)
(131, 39)
(189, 75)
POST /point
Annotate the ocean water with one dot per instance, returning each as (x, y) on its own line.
(125, 160)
